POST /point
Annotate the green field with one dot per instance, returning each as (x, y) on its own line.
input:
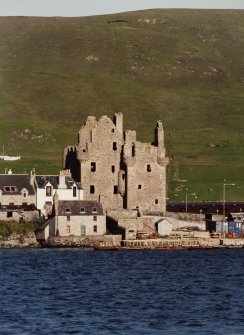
(185, 67)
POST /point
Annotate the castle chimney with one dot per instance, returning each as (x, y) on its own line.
(118, 121)
(159, 135)
(62, 175)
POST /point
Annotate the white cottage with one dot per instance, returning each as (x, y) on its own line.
(46, 186)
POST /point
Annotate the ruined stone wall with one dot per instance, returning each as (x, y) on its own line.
(99, 154)
(117, 170)
(146, 178)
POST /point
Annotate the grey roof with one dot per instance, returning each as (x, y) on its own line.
(54, 180)
(88, 207)
(17, 181)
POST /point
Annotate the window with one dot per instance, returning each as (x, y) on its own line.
(139, 187)
(24, 195)
(67, 210)
(82, 210)
(92, 189)
(10, 189)
(133, 152)
(149, 168)
(68, 229)
(74, 191)
(114, 146)
(24, 204)
(68, 217)
(48, 191)
(123, 176)
(94, 218)
(95, 229)
(9, 214)
(156, 201)
(94, 210)
(112, 130)
(113, 168)
(115, 189)
(93, 166)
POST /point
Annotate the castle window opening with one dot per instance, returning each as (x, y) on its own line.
(95, 229)
(115, 189)
(67, 210)
(93, 166)
(149, 168)
(74, 191)
(156, 201)
(113, 168)
(123, 176)
(92, 189)
(48, 191)
(94, 218)
(112, 130)
(114, 146)
(94, 210)
(68, 217)
(133, 151)
(139, 187)
(82, 210)
(24, 194)
(9, 214)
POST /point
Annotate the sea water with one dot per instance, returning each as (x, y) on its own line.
(82, 291)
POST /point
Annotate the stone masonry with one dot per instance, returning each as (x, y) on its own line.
(117, 170)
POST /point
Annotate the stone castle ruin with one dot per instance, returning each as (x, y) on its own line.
(117, 170)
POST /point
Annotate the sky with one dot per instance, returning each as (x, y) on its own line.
(96, 7)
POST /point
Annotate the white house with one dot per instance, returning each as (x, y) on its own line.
(17, 197)
(46, 187)
(74, 218)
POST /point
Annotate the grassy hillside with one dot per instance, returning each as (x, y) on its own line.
(185, 67)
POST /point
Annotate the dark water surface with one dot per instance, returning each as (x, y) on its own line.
(81, 291)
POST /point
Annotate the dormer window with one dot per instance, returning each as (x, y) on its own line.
(48, 191)
(67, 210)
(82, 210)
(94, 210)
(24, 193)
(10, 189)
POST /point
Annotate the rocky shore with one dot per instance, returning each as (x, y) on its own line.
(19, 241)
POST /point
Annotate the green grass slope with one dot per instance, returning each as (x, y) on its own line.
(185, 67)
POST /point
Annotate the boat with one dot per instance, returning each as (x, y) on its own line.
(9, 158)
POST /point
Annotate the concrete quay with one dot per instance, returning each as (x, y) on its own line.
(183, 243)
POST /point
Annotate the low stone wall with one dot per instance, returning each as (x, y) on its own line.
(20, 241)
(232, 242)
(84, 241)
